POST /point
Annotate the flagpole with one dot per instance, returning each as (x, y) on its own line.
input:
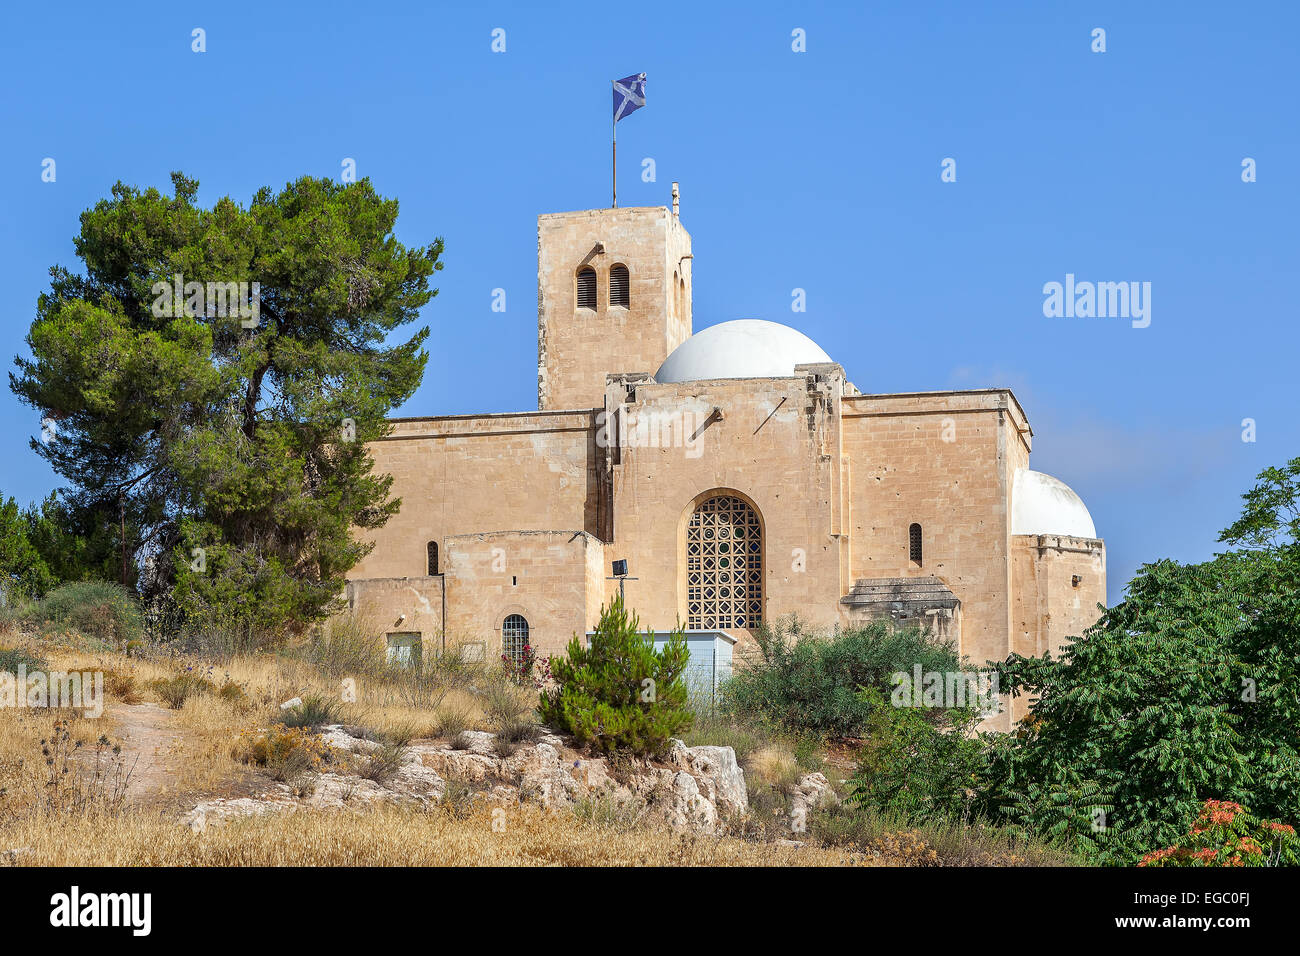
(614, 154)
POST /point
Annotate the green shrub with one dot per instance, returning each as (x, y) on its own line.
(94, 609)
(11, 658)
(918, 764)
(808, 683)
(316, 710)
(620, 694)
(1183, 692)
(174, 691)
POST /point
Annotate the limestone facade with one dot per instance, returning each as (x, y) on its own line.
(848, 506)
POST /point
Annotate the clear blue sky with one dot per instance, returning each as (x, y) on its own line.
(817, 170)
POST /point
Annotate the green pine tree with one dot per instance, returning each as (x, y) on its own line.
(23, 572)
(620, 694)
(230, 445)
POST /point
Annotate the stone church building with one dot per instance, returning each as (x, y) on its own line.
(736, 469)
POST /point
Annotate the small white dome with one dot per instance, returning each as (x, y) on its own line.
(745, 348)
(1040, 504)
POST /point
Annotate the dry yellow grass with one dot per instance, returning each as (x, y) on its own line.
(773, 765)
(192, 759)
(389, 836)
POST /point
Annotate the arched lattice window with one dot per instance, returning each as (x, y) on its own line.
(914, 543)
(514, 637)
(619, 286)
(587, 288)
(724, 565)
(433, 557)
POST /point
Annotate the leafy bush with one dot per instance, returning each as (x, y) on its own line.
(93, 608)
(11, 658)
(23, 572)
(620, 694)
(1227, 834)
(521, 671)
(1184, 692)
(918, 764)
(809, 683)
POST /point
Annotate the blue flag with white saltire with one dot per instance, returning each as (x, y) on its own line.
(629, 95)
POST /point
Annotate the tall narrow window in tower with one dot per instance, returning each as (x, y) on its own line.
(433, 557)
(619, 292)
(677, 299)
(587, 288)
(914, 543)
(724, 565)
(514, 637)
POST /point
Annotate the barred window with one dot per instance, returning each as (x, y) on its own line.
(587, 288)
(914, 542)
(724, 565)
(514, 637)
(433, 557)
(619, 293)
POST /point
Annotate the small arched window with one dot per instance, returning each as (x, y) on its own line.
(914, 543)
(587, 288)
(433, 557)
(619, 292)
(514, 637)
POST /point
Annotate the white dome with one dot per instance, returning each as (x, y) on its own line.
(745, 348)
(1040, 504)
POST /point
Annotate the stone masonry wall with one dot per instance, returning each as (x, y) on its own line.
(769, 440)
(576, 348)
(543, 575)
(939, 459)
(466, 474)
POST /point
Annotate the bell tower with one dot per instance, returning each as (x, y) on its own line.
(613, 295)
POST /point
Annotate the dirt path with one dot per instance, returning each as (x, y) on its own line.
(148, 735)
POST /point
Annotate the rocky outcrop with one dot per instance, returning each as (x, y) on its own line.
(695, 788)
(811, 791)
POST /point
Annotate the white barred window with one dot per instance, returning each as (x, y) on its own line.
(514, 637)
(724, 565)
